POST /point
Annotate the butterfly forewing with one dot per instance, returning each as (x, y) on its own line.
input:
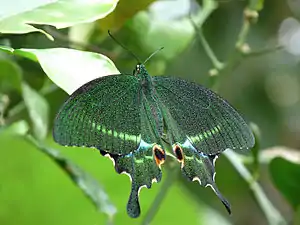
(203, 117)
(104, 113)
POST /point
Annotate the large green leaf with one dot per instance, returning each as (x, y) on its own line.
(285, 175)
(165, 24)
(10, 76)
(17, 128)
(38, 110)
(124, 11)
(88, 184)
(17, 18)
(68, 68)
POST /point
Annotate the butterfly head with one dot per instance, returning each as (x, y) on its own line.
(139, 69)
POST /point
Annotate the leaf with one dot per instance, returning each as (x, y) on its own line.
(285, 176)
(38, 109)
(257, 5)
(89, 185)
(268, 154)
(18, 18)
(124, 11)
(17, 128)
(68, 68)
(10, 76)
(152, 28)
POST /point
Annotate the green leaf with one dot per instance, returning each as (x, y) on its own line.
(124, 11)
(285, 176)
(17, 128)
(257, 4)
(10, 76)
(89, 185)
(68, 68)
(152, 28)
(6, 49)
(38, 110)
(18, 18)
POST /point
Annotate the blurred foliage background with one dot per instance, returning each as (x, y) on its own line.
(247, 50)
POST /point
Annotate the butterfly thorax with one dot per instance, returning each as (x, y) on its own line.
(144, 78)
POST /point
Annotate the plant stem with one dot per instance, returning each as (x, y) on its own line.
(272, 214)
(170, 179)
(263, 51)
(243, 34)
(211, 55)
(207, 8)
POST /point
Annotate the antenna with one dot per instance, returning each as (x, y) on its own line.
(131, 53)
(153, 54)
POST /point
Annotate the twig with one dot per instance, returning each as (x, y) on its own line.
(89, 47)
(170, 178)
(207, 8)
(264, 51)
(216, 63)
(272, 214)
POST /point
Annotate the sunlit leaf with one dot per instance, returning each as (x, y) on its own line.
(68, 68)
(124, 11)
(285, 176)
(89, 185)
(38, 110)
(17, 18)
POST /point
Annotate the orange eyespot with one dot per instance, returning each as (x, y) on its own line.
(178, 153)
(159, 155)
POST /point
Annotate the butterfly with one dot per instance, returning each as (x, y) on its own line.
(129, 117)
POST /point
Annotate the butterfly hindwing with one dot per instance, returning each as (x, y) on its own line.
(104, 113)
(143, 164)
(200, 126)
(203, 117)
(196, 166)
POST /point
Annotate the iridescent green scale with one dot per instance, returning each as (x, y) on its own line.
(127, 117)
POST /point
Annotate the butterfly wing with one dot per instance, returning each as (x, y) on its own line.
(104, 113)
(200, 125)
(143, 164)
(203, 117)
(109, 114)
(196, 166)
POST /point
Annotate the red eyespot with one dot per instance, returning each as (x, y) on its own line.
(159, 155)
(178, 153)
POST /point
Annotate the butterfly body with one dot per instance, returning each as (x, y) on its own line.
(126, 117)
